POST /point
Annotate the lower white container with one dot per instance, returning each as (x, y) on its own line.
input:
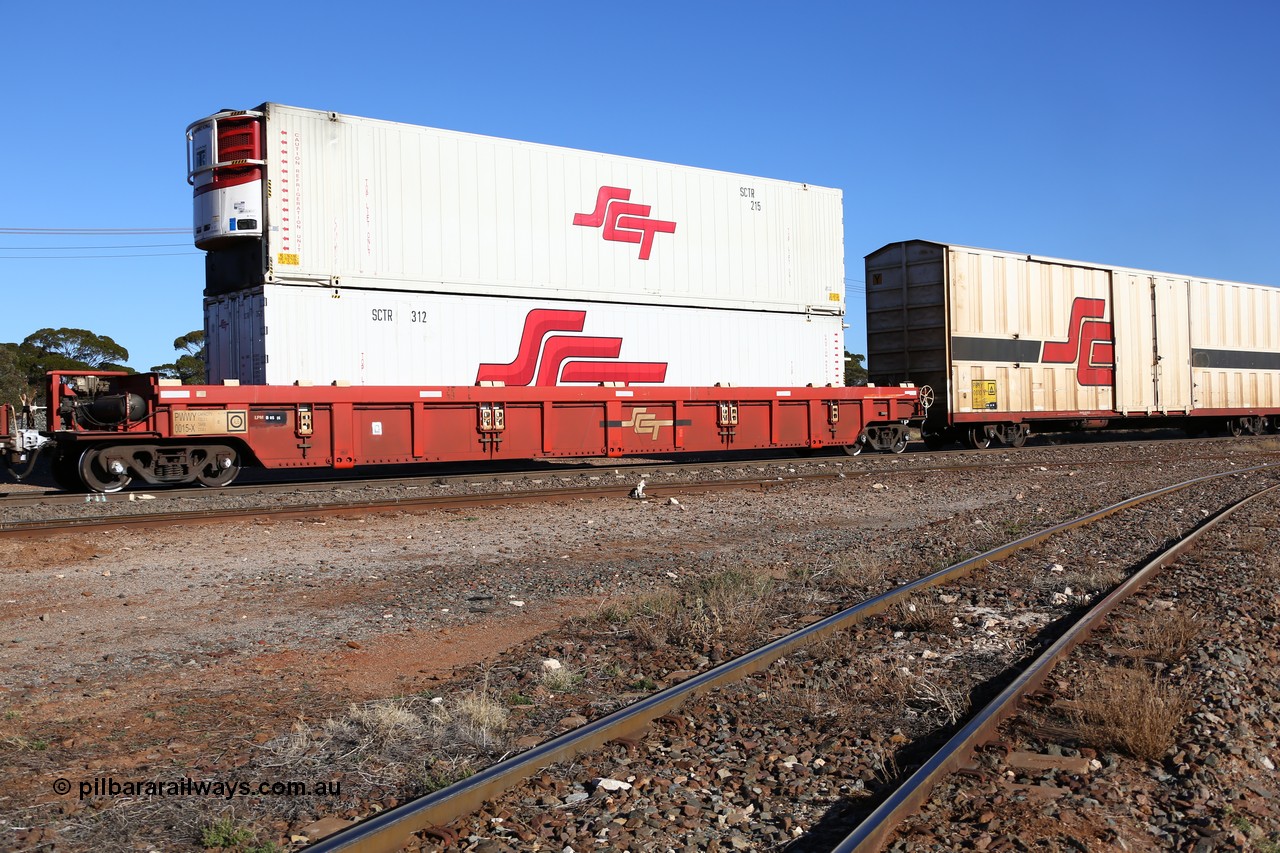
(281, 334)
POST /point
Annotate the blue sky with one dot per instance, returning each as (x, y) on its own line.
(1136, 133)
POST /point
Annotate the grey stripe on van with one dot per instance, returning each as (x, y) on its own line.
(1228, 359)
(994, 349)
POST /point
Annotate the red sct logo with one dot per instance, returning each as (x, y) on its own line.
(1088, 345)
(623, 221)
(544, 358)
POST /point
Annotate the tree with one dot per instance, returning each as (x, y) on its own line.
(854, 372)
(13, 376)
(23, 366)
(189, 367)
(70, 349)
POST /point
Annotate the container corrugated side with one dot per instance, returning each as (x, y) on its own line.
(1027, 334)
(279, 334)
(1151, 330)
(1007, 312)
(906, 314)
(377, 204)
(1235, 345)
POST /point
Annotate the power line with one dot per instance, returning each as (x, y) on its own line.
(87, 257)
(79, 248)
(186, 230)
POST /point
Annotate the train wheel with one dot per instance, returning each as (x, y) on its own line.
(855, 448)
(1235, 427)
(979, 438)
(217, 469)
(1016, 435)
(95, 475)
(899, 443)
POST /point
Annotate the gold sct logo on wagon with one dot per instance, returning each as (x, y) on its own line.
(645, 423)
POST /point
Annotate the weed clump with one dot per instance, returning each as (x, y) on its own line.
(1132, 711)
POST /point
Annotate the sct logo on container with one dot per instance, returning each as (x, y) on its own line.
(544, 359)
(624, 222)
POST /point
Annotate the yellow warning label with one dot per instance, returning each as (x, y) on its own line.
(287, 259)
(834, 297)
(210, 421)
(984, 394)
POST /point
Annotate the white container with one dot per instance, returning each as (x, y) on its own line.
(367, 204)
(1034, 337)
(280, 334)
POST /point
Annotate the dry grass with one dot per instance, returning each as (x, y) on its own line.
(1167, 636)
(1130, 710)
(473, 718)
(841, 578)
(884, 764)
(875, 682)
(731, 605)
(379, 739)
(559, 680)
(1099, 578)
(411, 745)
(377, 725)
(863, 569)
(933, 699)
(920, 616)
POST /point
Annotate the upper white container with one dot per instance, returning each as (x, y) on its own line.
(295, 196)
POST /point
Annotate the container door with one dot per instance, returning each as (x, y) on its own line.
(1134, 318)
(1172, 348)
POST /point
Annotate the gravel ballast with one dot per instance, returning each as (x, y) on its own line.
(199, 651)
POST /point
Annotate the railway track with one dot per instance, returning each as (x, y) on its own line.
(871, 834)
(33, 513)
(440, 816)
(394, 605)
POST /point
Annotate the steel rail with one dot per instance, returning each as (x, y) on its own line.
(873, 463)
(417, 501)
(909, 797)
(632, 469)
(391, 830)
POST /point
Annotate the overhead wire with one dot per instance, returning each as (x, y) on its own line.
(86, 257)
(186, 230)
(80, 248)
(7, 253)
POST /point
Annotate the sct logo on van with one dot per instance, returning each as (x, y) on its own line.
(624, 221)
(1088, 345)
